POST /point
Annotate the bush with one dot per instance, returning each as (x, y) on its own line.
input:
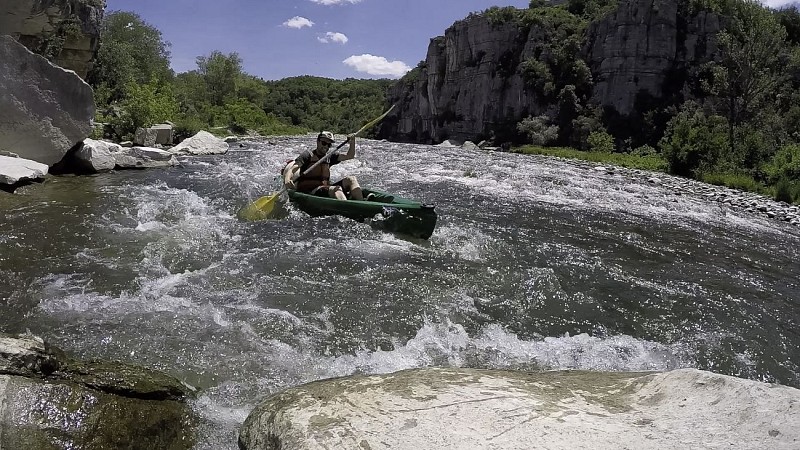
(144, 105)
(786, 190)
(537, 130)
(187, 126)
(694, 142)
(275, 126)
(601, 141)
(644, 150)
(785, 165)
(740, 181)
(243, 116)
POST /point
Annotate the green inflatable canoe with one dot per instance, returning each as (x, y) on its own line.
(383, 210)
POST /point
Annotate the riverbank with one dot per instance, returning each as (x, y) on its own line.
(653, 169)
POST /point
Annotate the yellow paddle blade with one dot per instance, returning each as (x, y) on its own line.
(261, 209)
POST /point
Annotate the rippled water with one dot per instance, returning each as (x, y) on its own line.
(535, 263)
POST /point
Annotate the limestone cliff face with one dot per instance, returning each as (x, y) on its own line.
(469, 87)
(467, 84)
(65, 31)
(636, 49)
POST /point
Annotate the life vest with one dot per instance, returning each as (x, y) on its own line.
(319, 176)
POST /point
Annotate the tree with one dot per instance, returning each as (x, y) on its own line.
(130, 51)
(221, 73)
(753, 62)
(538, 130)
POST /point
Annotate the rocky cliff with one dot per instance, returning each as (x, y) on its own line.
(65, 31)
(470, 85)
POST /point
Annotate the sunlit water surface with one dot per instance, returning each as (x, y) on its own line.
(536, 263)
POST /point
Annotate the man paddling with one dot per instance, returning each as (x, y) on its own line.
(317, 181)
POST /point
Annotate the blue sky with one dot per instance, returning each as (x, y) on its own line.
(283, 38)
(329, 38)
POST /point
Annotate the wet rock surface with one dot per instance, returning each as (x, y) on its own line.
(483, 409)
(49, 400)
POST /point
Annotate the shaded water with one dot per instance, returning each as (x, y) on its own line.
(535, 263)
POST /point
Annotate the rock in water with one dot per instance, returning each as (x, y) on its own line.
(483, 409)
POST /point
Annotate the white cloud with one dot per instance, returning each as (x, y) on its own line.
(298, 22)
(334, 2)
(333, 37)
(377, 65)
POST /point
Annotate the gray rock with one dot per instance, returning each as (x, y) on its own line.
(44, 109)
(13, 170)
(49, 401)
(488, 409)
(471, 80)
(202, 143)
(156, 135)
(34, 21)
(145, 137)
(143, 158)
(469, 145)
(96, 156)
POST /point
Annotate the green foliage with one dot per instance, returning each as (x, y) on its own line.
(144, 105)
(187, 126)
(600, 141)
(785, 164)
(644, 150)
(740, 181)
(591, 9)
(130, 51)
(537, 75)
(557, 61)
(582, 127)
(502, 15)
(314, 103)
(220, 73)
(789, 17)
(694, 141)
(538, 130)
(786, 190)
(244, 116)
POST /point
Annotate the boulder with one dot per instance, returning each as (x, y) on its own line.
(49, 400)
(16, 170)
(44, 109)
(95, 156)
(164, 133)
(490, 409)
(143, 158)
(145, 137)
(202, 143)
(156, 135)
(469, 145)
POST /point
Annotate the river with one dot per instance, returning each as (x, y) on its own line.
(536, 263)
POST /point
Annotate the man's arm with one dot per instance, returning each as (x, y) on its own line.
(292, 171)
(351, 152)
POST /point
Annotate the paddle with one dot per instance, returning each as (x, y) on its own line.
(263, 207)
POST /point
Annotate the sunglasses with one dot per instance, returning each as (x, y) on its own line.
(325, 143)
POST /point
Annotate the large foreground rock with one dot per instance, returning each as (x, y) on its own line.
(44, 109)
(50, 401)
(482, 409)
(15, 170)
